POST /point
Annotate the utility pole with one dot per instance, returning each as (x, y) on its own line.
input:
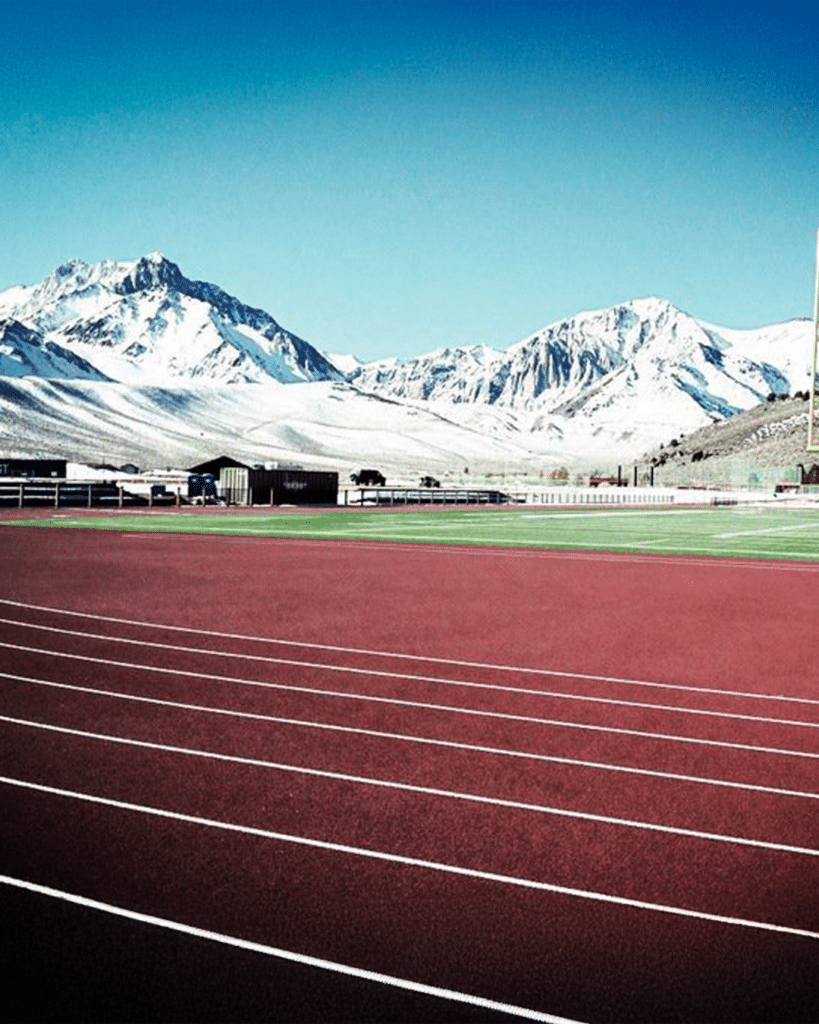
(812, 406)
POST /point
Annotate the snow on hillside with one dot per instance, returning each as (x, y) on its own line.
(346, 364)
(331, 424)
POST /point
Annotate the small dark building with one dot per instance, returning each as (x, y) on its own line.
(33, 467)
(243, 486)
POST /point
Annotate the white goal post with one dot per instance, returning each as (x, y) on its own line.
(812, 445)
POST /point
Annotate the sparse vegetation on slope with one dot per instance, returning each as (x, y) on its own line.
(760, 446)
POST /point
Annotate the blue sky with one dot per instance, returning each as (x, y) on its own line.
(386, 178)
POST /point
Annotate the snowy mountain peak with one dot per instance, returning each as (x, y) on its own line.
(143, 320)
(652, 307)
(151, 271)
(619, 321)
(69, 269)
(69, 278)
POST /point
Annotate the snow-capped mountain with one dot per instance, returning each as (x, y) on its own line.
(622, 379)
(645, 353)
(143, 321)
(133, 361)
(135, 354)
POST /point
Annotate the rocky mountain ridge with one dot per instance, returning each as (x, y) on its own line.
(636, 350)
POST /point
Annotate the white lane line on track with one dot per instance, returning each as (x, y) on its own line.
(411, 537)
(740, 559)
(748, 559)
(522, 670)
(395, 858)
(286, 954)
(424, 740)
(515, 805)
(405, 702)
(381, 673)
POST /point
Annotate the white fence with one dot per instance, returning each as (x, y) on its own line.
(549, 496)
(607, 496)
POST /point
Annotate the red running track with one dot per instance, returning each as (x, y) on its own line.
(238, 775)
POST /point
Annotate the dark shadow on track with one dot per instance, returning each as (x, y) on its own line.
(65, 963)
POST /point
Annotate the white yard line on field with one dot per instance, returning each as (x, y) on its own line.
(649, 543)
(624, 513)
(771, 529)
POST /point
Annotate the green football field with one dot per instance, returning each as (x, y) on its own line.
(765, 531)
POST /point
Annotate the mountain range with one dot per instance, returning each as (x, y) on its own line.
(131, 359)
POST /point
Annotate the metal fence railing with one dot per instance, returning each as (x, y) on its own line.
(427, 496)
(46, 492)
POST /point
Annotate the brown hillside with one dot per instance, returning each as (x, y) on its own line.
(762, 446)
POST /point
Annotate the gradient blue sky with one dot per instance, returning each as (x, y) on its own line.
(390, 177)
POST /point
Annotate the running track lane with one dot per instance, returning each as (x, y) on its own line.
(589, 961)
